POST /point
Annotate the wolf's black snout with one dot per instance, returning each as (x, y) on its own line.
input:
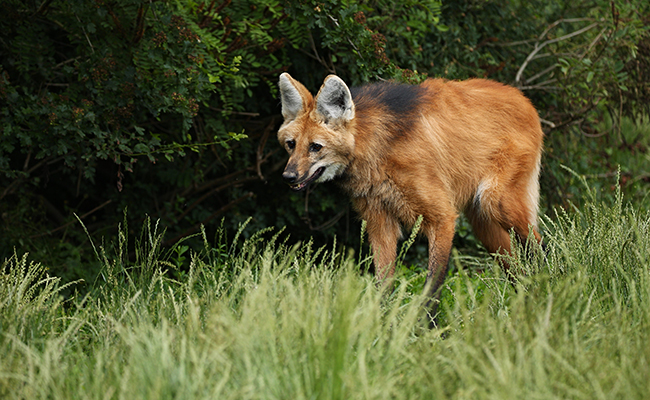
(289, 176)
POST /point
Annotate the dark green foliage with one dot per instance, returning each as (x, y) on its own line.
(170, 109)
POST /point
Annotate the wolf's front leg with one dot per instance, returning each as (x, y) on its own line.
(383, 232)
(440, 238)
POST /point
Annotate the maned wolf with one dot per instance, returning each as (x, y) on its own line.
(434, 150)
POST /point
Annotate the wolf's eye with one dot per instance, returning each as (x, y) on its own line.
(291, 144)
(314, 147)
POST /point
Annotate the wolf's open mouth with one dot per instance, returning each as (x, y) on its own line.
(302, 185)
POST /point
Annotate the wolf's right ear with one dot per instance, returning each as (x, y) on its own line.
(294, 97)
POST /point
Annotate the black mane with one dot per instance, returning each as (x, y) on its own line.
(401, 102)
(398, 98)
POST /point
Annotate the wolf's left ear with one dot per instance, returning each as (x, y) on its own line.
(334, 101)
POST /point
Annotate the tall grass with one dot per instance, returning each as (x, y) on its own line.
(260, 319)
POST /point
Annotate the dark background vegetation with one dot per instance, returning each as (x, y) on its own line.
(115, 111)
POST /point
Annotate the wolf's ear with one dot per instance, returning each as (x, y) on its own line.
(334, 101)
(294, 97)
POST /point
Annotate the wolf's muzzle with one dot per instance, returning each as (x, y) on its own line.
(290, 176)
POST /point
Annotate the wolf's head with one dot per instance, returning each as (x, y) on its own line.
(316, 131)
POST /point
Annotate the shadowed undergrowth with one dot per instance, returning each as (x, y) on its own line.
(259, 319)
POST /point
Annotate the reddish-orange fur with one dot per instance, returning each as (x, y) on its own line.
(472, 146)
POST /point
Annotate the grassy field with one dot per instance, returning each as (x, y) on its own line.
(258, 319)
